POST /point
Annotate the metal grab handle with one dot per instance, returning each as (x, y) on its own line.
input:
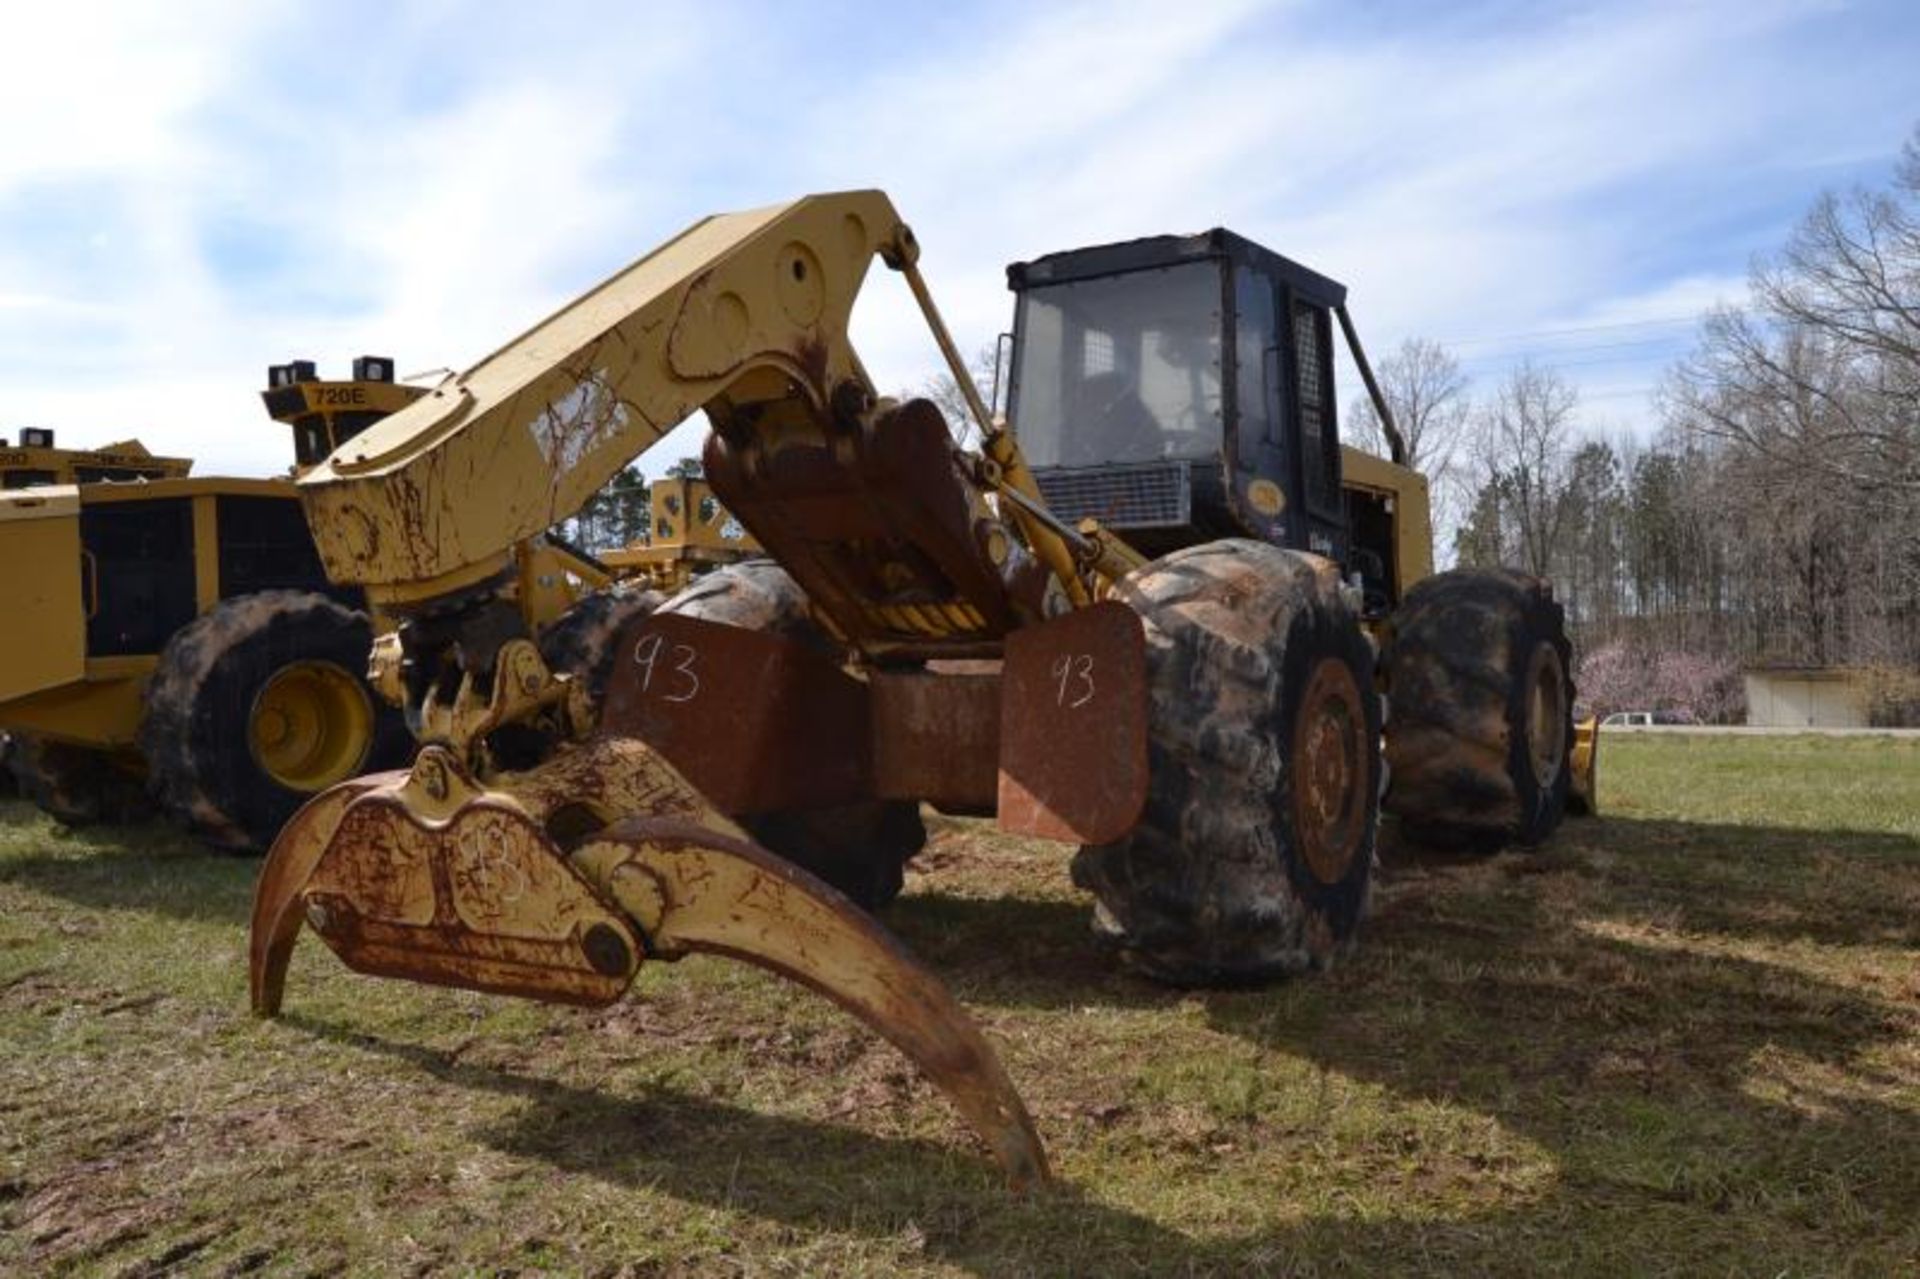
(90, 579)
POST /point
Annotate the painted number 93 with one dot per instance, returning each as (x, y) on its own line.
(1073, 676)
(679, 682)
(496, 873)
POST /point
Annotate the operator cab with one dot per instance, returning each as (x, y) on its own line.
(1180, 389)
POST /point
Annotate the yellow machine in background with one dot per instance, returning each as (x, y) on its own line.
(1137, 621)
(173, 641)
(35, 462)
(688, 533)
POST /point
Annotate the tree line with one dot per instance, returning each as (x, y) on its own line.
(1773, 517)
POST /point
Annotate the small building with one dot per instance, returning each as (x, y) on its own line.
(1805, 697)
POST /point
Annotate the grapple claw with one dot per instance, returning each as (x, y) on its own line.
(693, 890)
(278, 911)
(547, 887)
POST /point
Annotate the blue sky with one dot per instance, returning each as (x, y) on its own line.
(191, 191)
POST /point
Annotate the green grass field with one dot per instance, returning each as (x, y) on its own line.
(1684, 1039)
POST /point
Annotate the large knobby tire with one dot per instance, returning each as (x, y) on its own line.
(861, 849)
(256, 706)
(9, 784)
(580, 642)
(1255, 852)
(1480, 724)
(74, 785)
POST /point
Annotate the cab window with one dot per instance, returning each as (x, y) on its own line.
(1123, 368)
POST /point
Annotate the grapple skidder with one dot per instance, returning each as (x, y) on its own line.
(741, 771)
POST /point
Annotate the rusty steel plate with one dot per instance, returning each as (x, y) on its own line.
(1073, 726)
(483, 902)
(936, 738)
(756, 722)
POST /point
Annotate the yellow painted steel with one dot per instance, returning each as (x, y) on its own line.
(1583, 797)
(1412, 511)
(550, 579)
(99, 711)
(49, 686)
(311, 725)
(127, 460)
(1001, 449)
(688, 533)
(43, 643)
(740, 308)
(206, 552)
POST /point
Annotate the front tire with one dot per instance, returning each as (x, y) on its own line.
(256, 706)
(1480, 739)
(1255, 853)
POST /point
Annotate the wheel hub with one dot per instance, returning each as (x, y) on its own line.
(1330, 773)
(311, 726)
(1546, 715)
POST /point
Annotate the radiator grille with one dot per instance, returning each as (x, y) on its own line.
(1153, 495)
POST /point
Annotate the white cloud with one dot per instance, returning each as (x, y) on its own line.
(209, 187)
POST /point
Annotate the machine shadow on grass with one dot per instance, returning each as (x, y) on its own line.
(1759, 884)
(819, 1176)
(1613, 998)
(1589, 998)
(1644, 999)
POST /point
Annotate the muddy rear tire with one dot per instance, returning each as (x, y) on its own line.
(1254, 856)
(861, 849)
(256, 706)
(1480, 730)
(74, 785)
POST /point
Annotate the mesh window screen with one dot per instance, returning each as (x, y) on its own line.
(1319, 460)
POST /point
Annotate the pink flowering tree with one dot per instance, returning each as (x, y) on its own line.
(1619, 677)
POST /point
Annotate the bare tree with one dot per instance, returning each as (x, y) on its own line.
(1824, 373)
(1426, 392)
(947, 397)
(1525, 447)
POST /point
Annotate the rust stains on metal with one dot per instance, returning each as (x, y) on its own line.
(936, 737)
(813, 357)
(429, 877)
(731, 897)
(1331, 761)
(757, 722)
(1073, 726)
(420, 876)
(484, 902)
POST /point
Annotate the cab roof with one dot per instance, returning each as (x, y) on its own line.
(1171, 250)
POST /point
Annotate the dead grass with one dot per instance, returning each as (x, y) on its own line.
(1686, 1039)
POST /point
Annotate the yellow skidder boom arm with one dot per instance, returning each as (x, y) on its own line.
(739, 309)
(742, 311)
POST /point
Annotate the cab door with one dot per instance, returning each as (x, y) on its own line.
(1265, 483)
